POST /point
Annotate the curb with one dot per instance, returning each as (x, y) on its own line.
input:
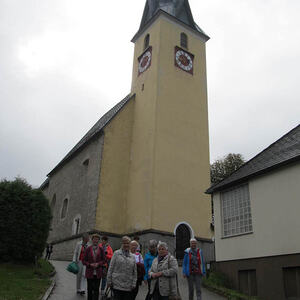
(50, 289)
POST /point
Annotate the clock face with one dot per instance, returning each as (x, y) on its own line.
(145, 60)
(184, 60)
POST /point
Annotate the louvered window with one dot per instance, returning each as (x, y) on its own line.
(183, 40)
(147, 41)
(236, 211)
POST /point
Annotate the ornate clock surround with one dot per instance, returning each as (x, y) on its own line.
(184, 60)
(144, 60)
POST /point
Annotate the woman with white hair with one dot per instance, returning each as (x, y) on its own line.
(122, 272)
(193, 268)
(163, 273)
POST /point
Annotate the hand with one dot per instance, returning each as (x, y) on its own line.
(145, 282)
(184, 276)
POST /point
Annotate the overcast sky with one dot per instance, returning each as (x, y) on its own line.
(64, 63)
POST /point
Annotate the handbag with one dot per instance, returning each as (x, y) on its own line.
(73, 268)
(177, 296)
(108, 294)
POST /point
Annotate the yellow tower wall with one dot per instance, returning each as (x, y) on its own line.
(169, 169)
(111, 207)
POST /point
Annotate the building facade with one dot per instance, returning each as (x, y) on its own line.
(144, 167)
(257, 227)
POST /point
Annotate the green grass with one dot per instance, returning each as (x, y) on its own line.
(24, 282)
(218, 283)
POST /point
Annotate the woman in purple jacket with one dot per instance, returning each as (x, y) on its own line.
(94, 260)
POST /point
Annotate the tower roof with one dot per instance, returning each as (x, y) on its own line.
(179, 9)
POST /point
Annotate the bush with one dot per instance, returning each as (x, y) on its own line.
(25, 218)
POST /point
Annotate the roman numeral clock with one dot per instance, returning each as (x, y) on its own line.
(184, 60)
(145, 60)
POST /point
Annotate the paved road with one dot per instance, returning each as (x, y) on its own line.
(65, 288)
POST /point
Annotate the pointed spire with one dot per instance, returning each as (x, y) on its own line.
(180, 9)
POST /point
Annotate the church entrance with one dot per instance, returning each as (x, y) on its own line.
(183, 236)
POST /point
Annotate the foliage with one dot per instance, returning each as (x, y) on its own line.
(224, 167)
(25, 220)
(219, 283)
(26, 282)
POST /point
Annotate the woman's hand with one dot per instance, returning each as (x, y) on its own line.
(157, 275)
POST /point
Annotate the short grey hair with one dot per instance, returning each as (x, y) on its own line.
(126, 238)
(153, 243)
(162, 244)
(193, 240)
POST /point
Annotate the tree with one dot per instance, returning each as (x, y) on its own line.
(25, 218)
(224, 167)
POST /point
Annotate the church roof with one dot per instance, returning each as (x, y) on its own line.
(282, 152)
(95, 130)
(179, 9)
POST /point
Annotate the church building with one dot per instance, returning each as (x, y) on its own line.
(143, 168)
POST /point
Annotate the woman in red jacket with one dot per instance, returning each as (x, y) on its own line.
(94, 260)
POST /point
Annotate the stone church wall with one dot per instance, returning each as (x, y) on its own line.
(77, 181)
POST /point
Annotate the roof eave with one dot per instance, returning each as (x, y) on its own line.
(216, 188)
(162, 12)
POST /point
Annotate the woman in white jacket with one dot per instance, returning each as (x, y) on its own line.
(77, 258)
(122, 272)
(163, 274)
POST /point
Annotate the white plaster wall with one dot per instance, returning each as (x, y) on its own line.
(275, 205)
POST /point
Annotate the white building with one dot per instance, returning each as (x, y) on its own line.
(257, 223)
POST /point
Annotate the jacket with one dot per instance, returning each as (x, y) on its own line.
(148, 263)
(167, 282)
(122, 271)
(108, 252)
(186, 267)
(89, 259)
(78, 251)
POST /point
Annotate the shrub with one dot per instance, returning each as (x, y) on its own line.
(25, 218)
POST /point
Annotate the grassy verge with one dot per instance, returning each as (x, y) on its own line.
(218, 283)
(24, 282)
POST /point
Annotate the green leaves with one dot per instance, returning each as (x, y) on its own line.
(224, 167)
(24, 221)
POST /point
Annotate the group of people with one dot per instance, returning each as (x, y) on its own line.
(124, 270)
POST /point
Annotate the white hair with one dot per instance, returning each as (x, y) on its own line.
(193, 240)
(162, 244)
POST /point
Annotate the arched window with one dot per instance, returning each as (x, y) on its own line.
(64, 209)
(183, 40)
(53, 202)
(86, 162)
(76, 225)
(147, 41)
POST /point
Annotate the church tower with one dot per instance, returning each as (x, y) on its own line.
(143, 168)
(169, 170)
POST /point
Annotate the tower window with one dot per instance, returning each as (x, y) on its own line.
(53, 202)
(64, 209)
(183, 40)
(86, 162)
(147, 41)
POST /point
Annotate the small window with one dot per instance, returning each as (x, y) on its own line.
(291, 279)
(147, 41)
(64, 209)
(86, 162)
(76, 225)
(53, 202)
(247, 282)
(183, 40)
